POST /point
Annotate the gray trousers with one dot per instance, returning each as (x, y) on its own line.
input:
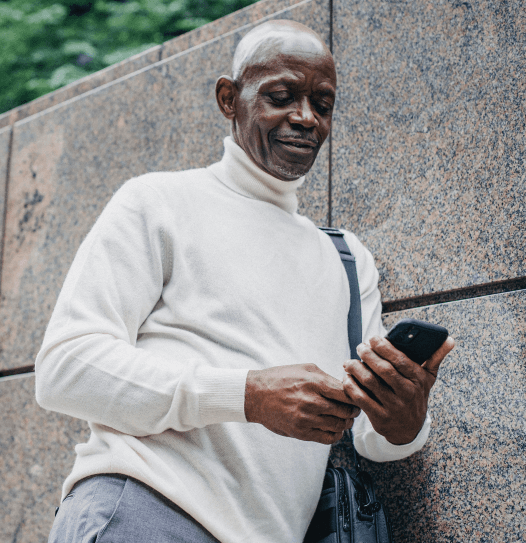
(119, 509)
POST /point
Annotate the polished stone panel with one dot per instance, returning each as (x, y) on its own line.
(200, 35)
(92, 81)
(67, 162)
(232, 22)
(467, 484)
(429, 139)
(36, 455)
(5, 136)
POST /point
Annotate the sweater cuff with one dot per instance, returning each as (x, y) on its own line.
(221, 395)
(373, 446)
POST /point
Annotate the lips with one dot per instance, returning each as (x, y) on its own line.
(298, 145)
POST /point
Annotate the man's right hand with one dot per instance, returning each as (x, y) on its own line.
(299, 401)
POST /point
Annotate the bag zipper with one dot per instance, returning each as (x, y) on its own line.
(344, 512)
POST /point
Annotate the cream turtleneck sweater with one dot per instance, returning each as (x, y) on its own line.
(186, 282)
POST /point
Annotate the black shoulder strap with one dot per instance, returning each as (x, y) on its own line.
(354, 319)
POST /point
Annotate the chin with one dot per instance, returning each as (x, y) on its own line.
(290, 173)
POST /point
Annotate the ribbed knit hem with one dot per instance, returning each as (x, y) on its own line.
(373, 445)
(221, 394)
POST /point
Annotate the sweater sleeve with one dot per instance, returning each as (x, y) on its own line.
(89, 366)
(369, 443)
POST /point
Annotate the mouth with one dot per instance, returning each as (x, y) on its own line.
(298, 146)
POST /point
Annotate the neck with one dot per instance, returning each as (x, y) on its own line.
(241, 174)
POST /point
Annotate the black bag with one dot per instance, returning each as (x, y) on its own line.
(348, 511)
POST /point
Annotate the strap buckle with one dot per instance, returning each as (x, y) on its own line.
(331, 231)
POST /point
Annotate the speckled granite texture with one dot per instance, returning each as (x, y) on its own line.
(429, 138)
(229, 23)
(468, 483)
(427, 169)
(36, 455)
(66, 163)
(207, 32)
(83, 85)
(5, 136)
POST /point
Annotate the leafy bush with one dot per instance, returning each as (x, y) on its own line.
(45, 44)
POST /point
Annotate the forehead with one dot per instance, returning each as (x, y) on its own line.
(275, 50)
(291, 66)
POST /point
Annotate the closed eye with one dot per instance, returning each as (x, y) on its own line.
(281, 98)
(323, 108)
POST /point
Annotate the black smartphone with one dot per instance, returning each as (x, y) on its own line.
(418, 340)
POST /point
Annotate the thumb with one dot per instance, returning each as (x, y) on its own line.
(434, 362)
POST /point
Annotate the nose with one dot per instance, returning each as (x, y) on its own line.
(304, 114)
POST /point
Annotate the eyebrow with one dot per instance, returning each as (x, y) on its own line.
(325, 90)
(271, 80)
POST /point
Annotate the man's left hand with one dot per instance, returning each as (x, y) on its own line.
(391, 389)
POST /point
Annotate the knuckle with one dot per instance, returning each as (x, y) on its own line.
(400, 359)
(355, 412)
(339, 425)
(303, 422)
(338, 436)
(365, 350)
(332, 437)
(381, 342)
(368, 380)
(354, 366)
(415, 393)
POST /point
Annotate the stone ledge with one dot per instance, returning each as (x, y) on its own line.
(214, 29)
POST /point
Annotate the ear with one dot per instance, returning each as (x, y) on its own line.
(226, 91)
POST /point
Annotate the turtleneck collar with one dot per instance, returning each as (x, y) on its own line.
(237, 171)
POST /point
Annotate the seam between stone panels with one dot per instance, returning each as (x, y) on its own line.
(4, 211)
(329, 187)
(456, 295)
(109, 68)
(13, 373)
(329, 183)
(235, 31)
(17, 376)
(160, 63)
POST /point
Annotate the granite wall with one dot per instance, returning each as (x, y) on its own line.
(425, 164)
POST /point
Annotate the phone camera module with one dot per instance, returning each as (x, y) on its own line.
(407, 335)
(413, 332)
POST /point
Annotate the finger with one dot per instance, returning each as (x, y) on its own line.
(327, 423)
(332, 389)
(367, 379)
(434, 362)
(327, 438)
(333, 408)
(350, 423)
(360, 397)
(401, 363)
(385, 372)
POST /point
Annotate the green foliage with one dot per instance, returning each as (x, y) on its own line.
(45, 44)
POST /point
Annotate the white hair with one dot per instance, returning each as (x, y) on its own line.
(266, 33)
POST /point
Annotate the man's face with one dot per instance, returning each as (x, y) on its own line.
(284, 106)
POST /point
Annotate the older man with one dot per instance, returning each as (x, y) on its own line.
(202, 332)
